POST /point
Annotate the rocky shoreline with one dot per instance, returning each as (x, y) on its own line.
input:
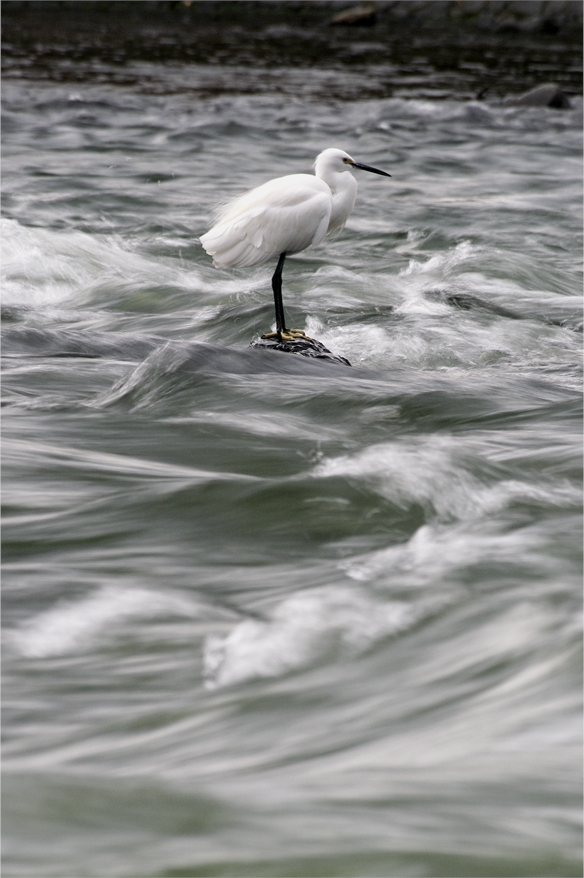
(508, 46)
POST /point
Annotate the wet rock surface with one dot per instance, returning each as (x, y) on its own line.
(306, 347)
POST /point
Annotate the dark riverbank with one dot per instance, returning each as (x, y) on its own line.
(507, 46)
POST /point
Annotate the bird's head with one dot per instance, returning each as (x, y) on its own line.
(337, 160)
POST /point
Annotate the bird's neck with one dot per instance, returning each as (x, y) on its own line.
(344, 191)
(335, 181)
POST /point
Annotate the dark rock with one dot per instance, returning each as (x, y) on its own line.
(306, 347)
(548, 94)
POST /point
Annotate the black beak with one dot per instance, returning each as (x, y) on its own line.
(369, 168)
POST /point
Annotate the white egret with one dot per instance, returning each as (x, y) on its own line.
(284, 216)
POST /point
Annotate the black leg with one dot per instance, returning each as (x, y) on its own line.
(277, 288)
(282, 334)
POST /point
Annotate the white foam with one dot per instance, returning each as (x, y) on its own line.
(432, 471)
(76, 625)
(436, 552)
(43, 268)
(424, 472)
(426, 331)
(443, 262)
(300, 630)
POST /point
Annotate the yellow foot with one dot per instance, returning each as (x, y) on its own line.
(287, 335)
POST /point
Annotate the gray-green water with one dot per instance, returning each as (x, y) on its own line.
(264, 616)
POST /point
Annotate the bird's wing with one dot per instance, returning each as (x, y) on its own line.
(282, 216)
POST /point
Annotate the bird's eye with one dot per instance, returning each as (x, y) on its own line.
(347, 161)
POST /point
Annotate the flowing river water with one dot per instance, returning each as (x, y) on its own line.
(265, 615)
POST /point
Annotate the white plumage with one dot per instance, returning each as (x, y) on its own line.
(284, 216)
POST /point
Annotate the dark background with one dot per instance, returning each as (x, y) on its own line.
(504, 47)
